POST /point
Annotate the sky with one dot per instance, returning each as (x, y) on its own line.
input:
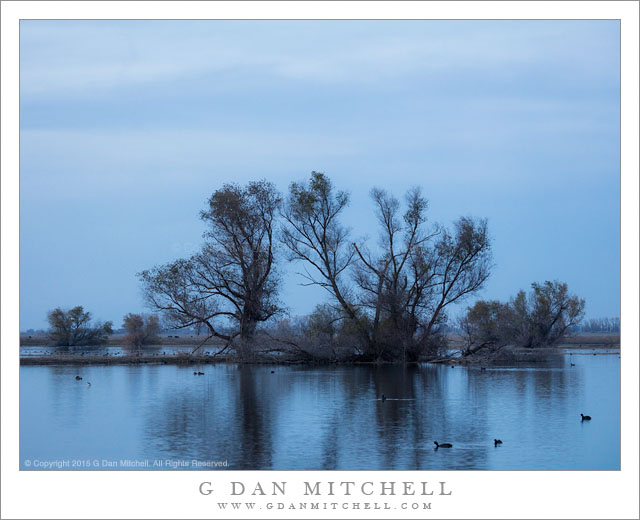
(127, 127)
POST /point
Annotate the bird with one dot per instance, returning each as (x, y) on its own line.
(573, 364)
(585, 417)
(89, 383)
(496, 442)
(383, 398)
(443, 445)
(78, 378)
(273, 371)
(195, 373)
(200, 373)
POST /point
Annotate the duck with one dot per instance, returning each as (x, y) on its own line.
(573, 364)
(496, 442)
(200, 373)
(443, 445)
(78, 378)
(585, 417)
(89, 383)
(383, 398)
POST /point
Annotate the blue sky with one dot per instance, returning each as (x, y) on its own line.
(128, 126)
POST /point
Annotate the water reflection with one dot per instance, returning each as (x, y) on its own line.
(261, 417)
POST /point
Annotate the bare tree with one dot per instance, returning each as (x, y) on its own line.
(234, 274)
(416, 274)
(462, 266)
(392, 282)
(73, 327)
(404, 285)
(313, 234)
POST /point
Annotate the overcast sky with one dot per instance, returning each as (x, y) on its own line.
(127, 127)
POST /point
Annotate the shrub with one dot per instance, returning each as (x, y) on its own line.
(72, 327)
(141, 329)
(537, 319)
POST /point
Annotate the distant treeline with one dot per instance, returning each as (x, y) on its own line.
(603, 325)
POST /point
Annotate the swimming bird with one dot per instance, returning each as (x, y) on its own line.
(78, 378)
(273, 371)
(585, 417)
(496, 442)
(573, 364)
(443, 445)
(89, 383)
(200, 373)
(195, 373)
(383, 397)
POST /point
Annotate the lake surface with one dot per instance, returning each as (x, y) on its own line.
(322, 418)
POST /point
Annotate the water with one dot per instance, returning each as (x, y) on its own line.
(110, 351)
(316, 418)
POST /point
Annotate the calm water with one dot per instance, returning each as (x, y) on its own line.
(324, 418)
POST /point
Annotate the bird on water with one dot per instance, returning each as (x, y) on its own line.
(383, 398)
(585, 417)
(496, 442)
(443, 445)
(78, 378)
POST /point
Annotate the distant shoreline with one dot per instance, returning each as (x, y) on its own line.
(575, 342)
(175, 340)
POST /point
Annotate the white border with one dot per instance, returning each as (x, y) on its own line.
(487, 494)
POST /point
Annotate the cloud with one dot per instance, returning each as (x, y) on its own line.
(76, 163)
(67, 58)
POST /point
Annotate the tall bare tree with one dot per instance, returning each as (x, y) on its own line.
(313, 234)
(234, 274)
(401, 287)
(415, 273)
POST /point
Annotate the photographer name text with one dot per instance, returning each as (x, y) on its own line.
(331, 488)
